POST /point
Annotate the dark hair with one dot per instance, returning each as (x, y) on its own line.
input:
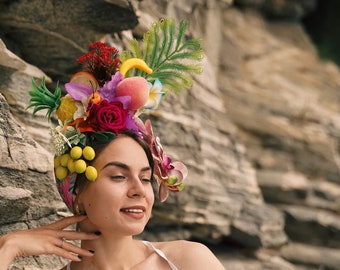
(82, 182)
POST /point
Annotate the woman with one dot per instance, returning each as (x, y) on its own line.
(106, 157)
(118, 205)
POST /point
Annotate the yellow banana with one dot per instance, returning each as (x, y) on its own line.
(134, 63)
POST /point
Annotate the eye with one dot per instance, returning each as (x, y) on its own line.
(146, 180)
(118, 177)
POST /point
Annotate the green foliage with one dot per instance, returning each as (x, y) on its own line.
(63, 141)
(172, 58)
(100, 137)
(42, 98)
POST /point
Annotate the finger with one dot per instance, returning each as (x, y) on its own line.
(77, 250)
(66, 254)
(65, 222)
(67, 250)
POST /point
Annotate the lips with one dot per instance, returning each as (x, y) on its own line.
(136, 212)
(133, 209)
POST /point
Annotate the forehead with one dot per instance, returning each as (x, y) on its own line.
(123, 149)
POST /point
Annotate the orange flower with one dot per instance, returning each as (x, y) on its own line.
(82, 125)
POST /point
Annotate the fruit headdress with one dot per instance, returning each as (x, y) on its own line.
(108, 97)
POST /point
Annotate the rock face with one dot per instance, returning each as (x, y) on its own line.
(259, 130)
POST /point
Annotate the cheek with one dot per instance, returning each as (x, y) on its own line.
(99, 199)
(150, 195)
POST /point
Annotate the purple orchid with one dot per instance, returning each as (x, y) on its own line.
(169, 174)
(108, 91)
(78, 91)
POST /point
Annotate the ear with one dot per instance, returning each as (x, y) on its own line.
(78, 208)
(76, 196)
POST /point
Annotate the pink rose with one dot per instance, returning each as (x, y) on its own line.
(107, 116)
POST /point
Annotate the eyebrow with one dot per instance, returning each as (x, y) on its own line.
(123, 166)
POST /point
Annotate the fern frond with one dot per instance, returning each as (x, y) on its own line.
(183, 25)
(125, 55)
(155, 49)
(165, 49)
(164, 28)
(181, 67)
(173, 83)
(192, 55)
(194, 44)
(42, 98)
(148, 41)
(172, 31)
(135, 48)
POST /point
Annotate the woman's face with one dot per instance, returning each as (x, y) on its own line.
(121, 199)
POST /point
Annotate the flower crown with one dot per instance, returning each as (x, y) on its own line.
(108, 97)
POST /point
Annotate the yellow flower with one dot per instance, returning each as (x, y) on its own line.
(67, 108)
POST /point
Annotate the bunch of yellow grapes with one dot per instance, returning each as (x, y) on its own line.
(74, 161)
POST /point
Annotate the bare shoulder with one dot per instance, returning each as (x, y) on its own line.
(190, 255)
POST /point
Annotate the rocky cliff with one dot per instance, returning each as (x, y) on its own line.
(259, 130)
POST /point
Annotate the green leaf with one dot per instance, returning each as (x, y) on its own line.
(180, 82)
(101, 137)
(171, 29)
(182, 28)
(42, 98)
(194, 55)
(134, 46)
(165, 49)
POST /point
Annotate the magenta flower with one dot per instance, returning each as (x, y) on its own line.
(170, 175)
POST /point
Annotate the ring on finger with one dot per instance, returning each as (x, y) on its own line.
(63, 242)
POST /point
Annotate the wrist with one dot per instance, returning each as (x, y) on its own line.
(7, 251)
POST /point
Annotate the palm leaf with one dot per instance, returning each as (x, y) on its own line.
(42, 98)
(172, 58)
(134, 47)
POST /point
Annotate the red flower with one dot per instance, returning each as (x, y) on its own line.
(102, 61)
(107, 116)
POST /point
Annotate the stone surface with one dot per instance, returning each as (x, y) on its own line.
(52, 35)
(14, 202)
(315, 257)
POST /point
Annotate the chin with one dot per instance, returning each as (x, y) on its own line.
(135, 230)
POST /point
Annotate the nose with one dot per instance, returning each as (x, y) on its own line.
(136, 188)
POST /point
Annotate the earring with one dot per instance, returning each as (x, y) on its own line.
(77, 210)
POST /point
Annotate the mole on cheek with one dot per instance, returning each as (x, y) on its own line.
(89, 205)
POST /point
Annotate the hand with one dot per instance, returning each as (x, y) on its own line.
(48, 239)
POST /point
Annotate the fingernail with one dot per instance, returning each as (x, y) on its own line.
(97, 233)
(92, 251)
(80, 257)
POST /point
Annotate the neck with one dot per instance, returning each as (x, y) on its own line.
(112, 252)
